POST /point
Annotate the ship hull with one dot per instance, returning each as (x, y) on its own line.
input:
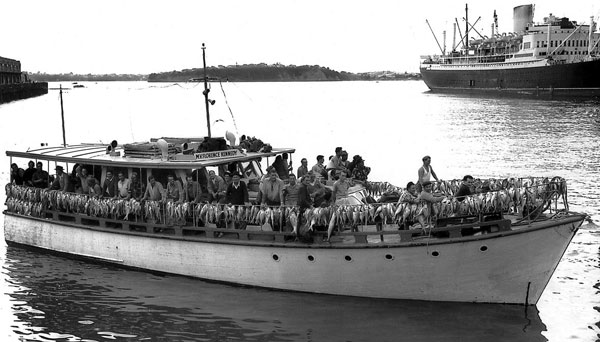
(505, 267)
(569, 80)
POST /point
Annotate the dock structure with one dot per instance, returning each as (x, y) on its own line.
(15, 85)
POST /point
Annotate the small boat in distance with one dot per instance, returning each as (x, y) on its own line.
(557, 58)
(501, 245)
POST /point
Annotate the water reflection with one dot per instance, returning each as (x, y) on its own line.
(54, 298)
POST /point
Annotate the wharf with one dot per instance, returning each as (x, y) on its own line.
(18, 91)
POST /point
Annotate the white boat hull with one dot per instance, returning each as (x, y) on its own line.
(506, 267)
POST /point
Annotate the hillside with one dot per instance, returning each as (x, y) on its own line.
(272, 73)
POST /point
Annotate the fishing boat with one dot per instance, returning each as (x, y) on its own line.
(501, 245)
(555, 58)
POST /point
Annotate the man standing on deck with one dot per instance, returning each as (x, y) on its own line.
(429, 198)
(154, 190)
(193, 190)
(237, 192)
(290, 191)
(27, 177)
(62, 180)
(109, 188)
(40, 177)
(425, 173)
(123, 186)
(272, 190)
(136, 188)
(174, 190)
(216, 187)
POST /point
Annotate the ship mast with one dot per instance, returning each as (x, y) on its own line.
(206, 90)
(467, 29)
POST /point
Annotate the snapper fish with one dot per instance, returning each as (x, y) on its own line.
(293, 219)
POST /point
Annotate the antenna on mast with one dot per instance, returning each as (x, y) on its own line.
(62, 116)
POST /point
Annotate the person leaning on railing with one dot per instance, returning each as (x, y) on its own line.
(136, 188)
(428, 198)
(40, 177)
(154, 190)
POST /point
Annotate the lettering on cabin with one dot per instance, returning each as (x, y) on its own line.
(217, 154)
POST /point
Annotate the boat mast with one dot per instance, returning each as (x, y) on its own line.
(206, 90)
(590, 36)
(467, 29)
(454, 38)
(62, 116)
(444, 53)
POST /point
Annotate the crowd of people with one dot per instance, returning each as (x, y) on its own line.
(278, 186)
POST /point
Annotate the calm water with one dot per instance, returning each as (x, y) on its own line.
(392, 125)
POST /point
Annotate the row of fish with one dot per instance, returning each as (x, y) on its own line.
(518, 194)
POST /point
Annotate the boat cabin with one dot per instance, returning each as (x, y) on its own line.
(159, 158)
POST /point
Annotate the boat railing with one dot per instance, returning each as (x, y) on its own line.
(319, 236)
(526, 198)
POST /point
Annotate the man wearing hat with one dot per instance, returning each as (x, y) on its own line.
(237, 192)
(61, 182)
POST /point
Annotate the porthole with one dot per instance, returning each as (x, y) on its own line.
(435, 253)
(483, 248)
(389, 257)
(311, 258)
(348, 258)
(275, 257)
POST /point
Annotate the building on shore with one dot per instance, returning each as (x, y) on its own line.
(15, 85)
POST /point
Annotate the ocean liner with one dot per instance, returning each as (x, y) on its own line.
(558, 57)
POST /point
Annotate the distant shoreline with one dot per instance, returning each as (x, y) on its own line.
(237, 73)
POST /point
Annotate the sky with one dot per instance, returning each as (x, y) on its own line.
(146, 36)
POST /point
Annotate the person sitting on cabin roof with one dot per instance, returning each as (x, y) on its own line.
(290, 191)
(109, 187)
(335, 164)
(302, 169)
(136, 188)
(61, 182)
(465, 188)
(216, 187)
(39, 179)
(280, 167)
(123, 186)
(360, 172)
(174, 189)
(319, 168)
(193, 190)
(154, 190)
(340, 189)
(93, 187)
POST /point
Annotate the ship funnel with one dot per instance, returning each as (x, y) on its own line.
(522, 17)
(163, 146)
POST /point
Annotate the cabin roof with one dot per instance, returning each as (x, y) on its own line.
(96, 154)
